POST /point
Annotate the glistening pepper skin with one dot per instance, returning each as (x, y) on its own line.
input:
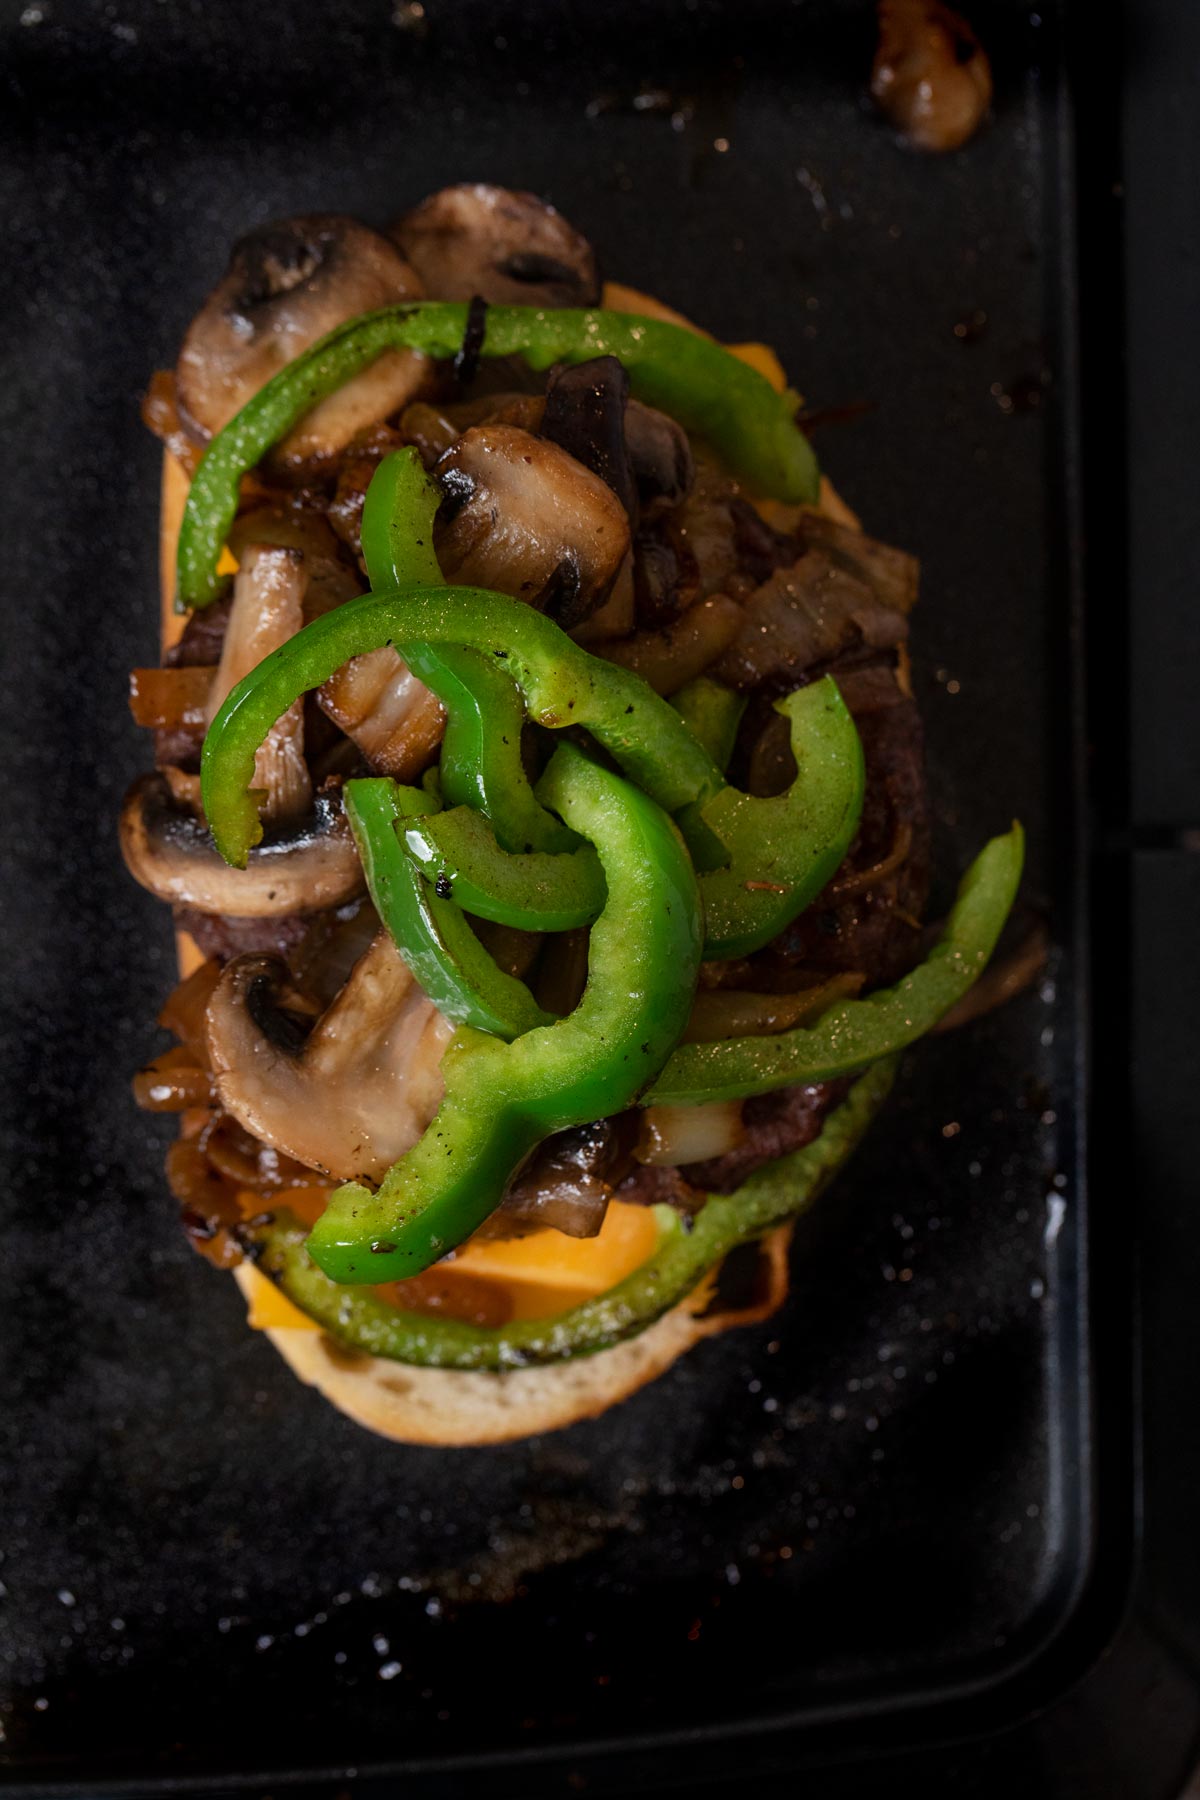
(501, 1099)
(481, 762)
(710, 392)
(562, 685)
(778, 853)
(680, 1260)
(781, 851)
(712, 713)
(533, 892)
(856, 1032)
(430, 931)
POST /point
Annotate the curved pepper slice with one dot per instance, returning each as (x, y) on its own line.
(783, 850)
(778, 852)
(709, 391)
(501, 1099)
(857, 1032)
(481, 761)
(430, 932)
(534, 892)
(679, 1262)
(562, 685)
(537, 892)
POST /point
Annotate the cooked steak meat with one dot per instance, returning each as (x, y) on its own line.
(803, 620)
(869, 919)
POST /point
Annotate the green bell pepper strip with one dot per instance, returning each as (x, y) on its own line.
(712, 713)
(562, 685)
(783, 850)
(429, 930)
(501, 1099)
(857, 1032)
(534, 892)
(679, 1261)
(556, 892)
(710, 392)
(778, 853)
(481, 763)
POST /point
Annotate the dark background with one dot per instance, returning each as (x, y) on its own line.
(903, 1507)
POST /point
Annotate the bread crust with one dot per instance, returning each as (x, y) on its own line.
(455, 1407)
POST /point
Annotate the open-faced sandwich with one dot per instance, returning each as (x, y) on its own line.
(538, 791)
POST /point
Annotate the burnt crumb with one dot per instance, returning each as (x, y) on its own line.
(970, 329)
(1024, 394)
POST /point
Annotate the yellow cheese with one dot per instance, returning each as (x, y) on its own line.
(579, 1267)
(271, 1310)
(619, 298)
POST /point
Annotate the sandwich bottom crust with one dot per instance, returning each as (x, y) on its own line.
(454, 1407)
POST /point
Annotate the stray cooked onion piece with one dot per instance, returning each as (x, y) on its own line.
(931, 77)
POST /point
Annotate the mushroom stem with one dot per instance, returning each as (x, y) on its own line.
(268, 609)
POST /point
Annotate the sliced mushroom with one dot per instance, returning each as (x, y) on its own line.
(328, 580)
(510, 248)
(268, 609)
(334, 941)
(348, 1096)
(302, 868)
(931, 77)
(285, 287)
(585, 416)
(523, 517)
(392, 717)
(661, 459)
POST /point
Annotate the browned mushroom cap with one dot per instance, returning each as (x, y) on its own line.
(300, 869)
(286, 286)
(510, 248)
(348, 1096)
(660, 457)
(524, 518)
